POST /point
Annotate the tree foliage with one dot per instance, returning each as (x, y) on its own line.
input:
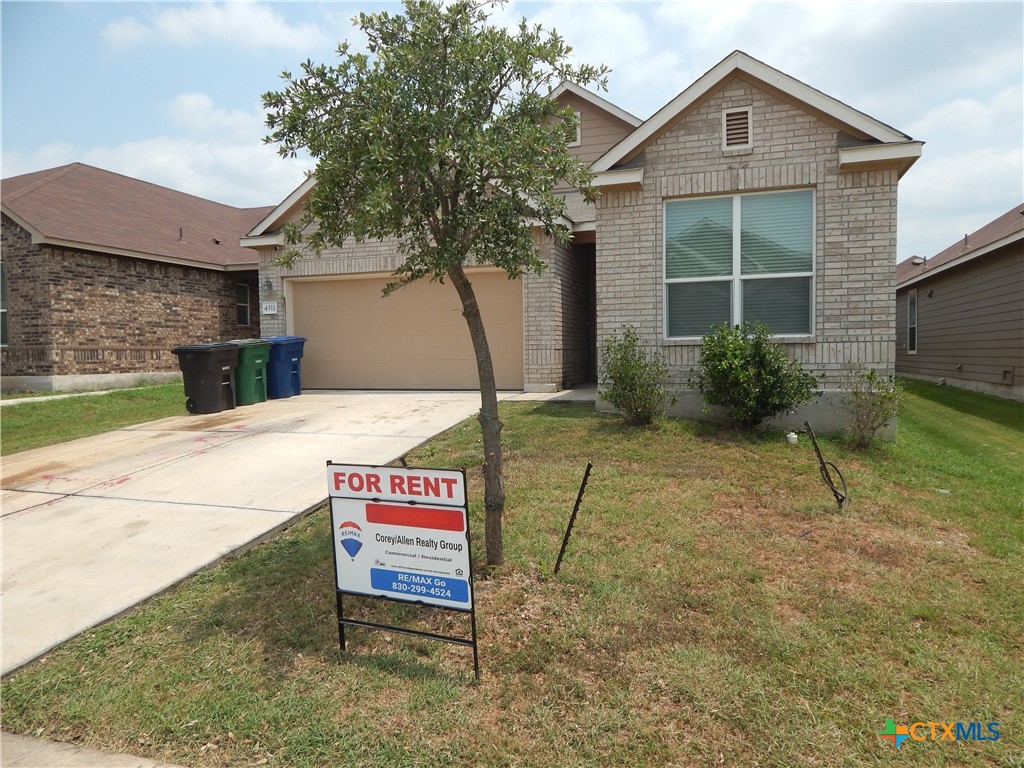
(442, 136)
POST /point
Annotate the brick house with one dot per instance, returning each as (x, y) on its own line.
(750, 196)
(103, 275)
(960, 313)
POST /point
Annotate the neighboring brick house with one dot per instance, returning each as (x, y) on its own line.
(750, 196)
(960, 313)
(103, 275)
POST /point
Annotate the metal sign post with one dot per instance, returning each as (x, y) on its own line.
(572, 517)
(402, 534)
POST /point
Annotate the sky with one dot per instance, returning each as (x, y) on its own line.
(171, 92)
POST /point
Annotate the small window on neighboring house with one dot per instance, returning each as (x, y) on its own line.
(242, 303)
(3, 303)
(912, 321)
(736, 132)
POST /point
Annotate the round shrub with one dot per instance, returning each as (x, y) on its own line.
(750, 376)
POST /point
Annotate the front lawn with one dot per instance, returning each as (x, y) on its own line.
(48, 422)
(713, 609)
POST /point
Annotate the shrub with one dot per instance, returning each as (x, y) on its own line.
(750, 376)
(633, 378)
(871, 400)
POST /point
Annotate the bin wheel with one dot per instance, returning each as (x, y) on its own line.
(190, 405)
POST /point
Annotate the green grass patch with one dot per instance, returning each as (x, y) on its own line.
(713, 608)
(34, 425)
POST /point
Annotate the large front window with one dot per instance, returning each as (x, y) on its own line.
(744, 258)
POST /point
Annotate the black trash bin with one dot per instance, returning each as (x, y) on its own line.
(209, 374)
(284, 368)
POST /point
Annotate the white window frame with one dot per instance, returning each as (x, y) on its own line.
(912, 321)
(736, 278)
(579, 130)
(750, 129)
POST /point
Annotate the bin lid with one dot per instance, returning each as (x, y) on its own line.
(285, 339)
(250, 342)
(209, 346)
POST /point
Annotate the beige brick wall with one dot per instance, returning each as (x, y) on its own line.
(855, 229)
(543, 349)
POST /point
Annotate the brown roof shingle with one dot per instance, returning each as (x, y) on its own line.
(99, 210)
(1010, 222)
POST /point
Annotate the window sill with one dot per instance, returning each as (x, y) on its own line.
(693, 341)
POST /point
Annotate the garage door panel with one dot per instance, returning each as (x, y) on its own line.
(416, 338)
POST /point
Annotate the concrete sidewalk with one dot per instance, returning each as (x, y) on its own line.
(23, 752)
(93, 527)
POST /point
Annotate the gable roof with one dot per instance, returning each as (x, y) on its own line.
(603, 104)
(267, 232)
(86, 208)
(884, 144)
(1000, 232)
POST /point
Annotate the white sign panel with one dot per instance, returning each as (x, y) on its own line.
(268, 308)
(401, 533)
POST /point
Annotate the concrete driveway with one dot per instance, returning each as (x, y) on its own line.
(92, 527)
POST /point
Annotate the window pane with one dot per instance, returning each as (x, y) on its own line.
(694, 307)
(698, 238)
(783, 304)
(776, 233)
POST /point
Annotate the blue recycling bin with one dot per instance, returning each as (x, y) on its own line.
(284, 367)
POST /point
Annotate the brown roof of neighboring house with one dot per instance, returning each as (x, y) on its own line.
(79, 206)
(1007, 228)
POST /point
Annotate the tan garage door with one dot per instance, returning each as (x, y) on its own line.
(416, 338)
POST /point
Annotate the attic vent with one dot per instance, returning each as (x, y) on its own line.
(736, 129)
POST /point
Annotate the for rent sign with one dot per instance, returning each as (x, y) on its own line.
(401, 533)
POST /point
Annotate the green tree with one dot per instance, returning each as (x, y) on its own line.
(444, 137)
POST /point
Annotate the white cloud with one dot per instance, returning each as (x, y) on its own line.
(196, 113)
(242, 24)
(216, 154)
(1000, 118)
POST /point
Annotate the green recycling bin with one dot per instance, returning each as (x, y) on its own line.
(251, 371)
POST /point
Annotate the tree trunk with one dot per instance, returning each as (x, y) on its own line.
(490, 424)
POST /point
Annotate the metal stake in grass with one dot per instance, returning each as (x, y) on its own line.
(825, 474)
(572, 517)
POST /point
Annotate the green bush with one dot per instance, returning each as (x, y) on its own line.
(750, 376)
(633, 378)
(871, 400)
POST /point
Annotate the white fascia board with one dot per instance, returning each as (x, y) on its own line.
(272, 219)
(963, 259)
(904, 153)
(597, 101)
(37, 236)
(631, 177)
(561, 221)
(585, 226)
(738, 61)
(263, 241)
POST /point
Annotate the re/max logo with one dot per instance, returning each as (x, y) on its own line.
(930, 731)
